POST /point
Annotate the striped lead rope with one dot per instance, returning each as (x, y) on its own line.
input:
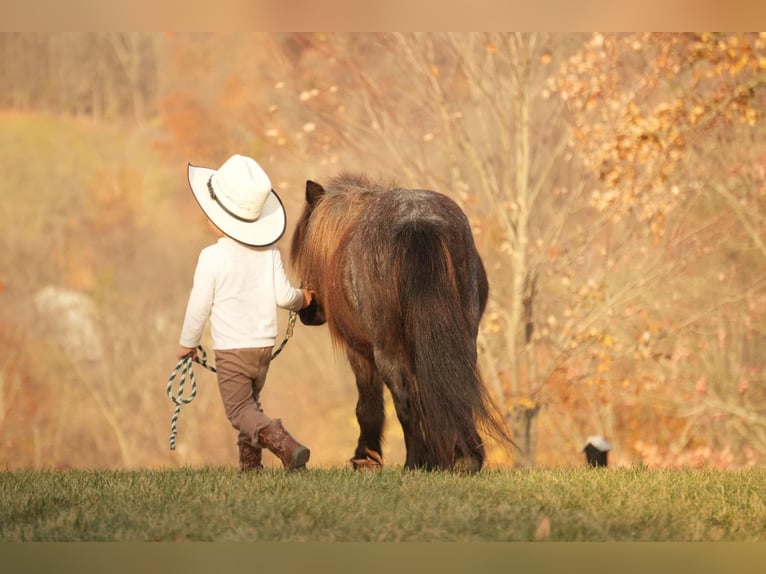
(290, 327)
(184, 366)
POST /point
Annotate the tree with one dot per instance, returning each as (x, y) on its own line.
(669, 121)
(576, 209)
(93, 74)
(462, 122)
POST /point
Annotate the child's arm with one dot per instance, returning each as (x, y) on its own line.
(287, 296)
(199, 305)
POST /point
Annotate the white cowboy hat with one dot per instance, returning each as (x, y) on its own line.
(238, 199)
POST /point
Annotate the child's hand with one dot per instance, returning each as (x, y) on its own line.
(183, 351)
(307, 296)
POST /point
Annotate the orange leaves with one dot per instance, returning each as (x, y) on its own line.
(526, 403)
(695, 113)
(493, 323)
(641, 103)
(727, 54)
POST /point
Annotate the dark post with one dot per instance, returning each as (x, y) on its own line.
(596, 449)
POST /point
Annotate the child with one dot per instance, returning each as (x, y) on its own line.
(239, 282)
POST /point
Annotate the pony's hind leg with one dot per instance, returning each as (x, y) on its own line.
(419, 455)
(399, 382)
(370, 414)
(471, 461)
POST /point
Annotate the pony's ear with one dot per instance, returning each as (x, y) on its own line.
(314, 192)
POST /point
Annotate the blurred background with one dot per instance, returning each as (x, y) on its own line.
(616, 185)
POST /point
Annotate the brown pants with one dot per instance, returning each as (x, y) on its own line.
(241, 376)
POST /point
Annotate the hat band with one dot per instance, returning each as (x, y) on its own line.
(226, 209)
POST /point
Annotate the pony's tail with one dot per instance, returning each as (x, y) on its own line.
(440, 315)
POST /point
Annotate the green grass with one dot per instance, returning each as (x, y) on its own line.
(323, 505)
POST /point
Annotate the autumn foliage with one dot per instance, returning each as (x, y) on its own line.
(616, 185)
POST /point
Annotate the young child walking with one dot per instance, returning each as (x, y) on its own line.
(238, 284)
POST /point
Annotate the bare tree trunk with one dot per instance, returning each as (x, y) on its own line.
(524, 409)
(128, 48)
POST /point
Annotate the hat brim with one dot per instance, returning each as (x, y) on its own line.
(267, 229)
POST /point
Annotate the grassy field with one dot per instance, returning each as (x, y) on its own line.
(324, 505)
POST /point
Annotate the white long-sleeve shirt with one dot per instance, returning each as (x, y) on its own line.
(239, 288)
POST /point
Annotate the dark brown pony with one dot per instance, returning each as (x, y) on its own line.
(402, 288)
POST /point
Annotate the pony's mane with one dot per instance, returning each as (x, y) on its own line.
(356, 182)
(344, 199)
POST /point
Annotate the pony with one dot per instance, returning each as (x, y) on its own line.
(398, 280)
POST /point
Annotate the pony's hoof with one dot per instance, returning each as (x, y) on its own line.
(373, 461)
(466, 465)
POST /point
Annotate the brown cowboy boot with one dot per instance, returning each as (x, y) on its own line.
(250, 458)
(275, 438)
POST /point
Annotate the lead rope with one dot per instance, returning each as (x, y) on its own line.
(184, 366)
(290, 327)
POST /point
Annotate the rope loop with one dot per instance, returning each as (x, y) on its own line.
(184, 367)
